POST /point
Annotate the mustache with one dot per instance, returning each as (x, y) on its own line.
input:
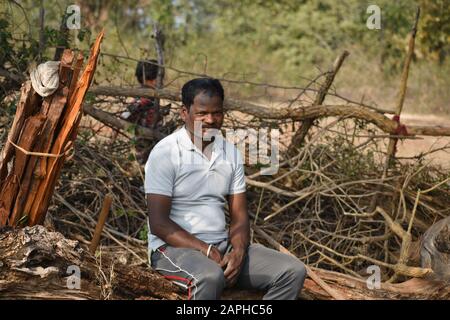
(210, 127)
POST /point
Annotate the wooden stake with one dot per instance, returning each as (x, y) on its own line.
(319, 99)
(101, 222)
(159, 46)
(400, 99)
(403, 86)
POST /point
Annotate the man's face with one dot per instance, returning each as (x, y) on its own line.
(150, 83)
(206, 110)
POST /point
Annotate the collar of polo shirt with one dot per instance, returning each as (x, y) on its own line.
(186, 142)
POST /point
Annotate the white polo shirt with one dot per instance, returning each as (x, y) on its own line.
(198, 186)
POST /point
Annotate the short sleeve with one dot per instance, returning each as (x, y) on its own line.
(159, 172)
(237, 184)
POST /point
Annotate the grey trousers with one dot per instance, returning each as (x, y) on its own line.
(280, 275)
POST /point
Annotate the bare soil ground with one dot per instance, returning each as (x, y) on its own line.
(410, 148)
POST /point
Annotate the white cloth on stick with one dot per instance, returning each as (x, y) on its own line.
(45, 78)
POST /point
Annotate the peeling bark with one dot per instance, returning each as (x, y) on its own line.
(34, 264)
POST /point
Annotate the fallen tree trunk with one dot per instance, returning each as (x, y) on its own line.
(115, 122)
(296, 113)
(38, 264)
(357, 289)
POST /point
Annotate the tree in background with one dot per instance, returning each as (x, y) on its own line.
(267, 41)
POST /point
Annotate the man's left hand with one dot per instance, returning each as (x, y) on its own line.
(233, 262)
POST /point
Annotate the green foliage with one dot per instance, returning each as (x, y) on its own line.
(15, 55)
(89, 98)
(119, 212)
(143, 233)
(281, 42)
(10, 106)
(131, 129)
(131, 157)
(435, 29)
(83, 34)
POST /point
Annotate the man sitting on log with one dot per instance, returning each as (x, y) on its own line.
(189, 177)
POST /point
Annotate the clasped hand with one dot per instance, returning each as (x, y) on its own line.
(231, 263)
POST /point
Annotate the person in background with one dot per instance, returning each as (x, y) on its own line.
(142, 111)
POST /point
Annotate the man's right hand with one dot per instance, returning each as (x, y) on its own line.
(214, 254)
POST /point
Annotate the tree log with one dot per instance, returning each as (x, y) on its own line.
(356, 289)
(296, 113)
(34, 264)
(115, 122)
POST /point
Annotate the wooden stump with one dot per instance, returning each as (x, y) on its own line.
(42, 133)
(435, 250)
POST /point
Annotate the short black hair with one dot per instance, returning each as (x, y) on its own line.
(209, 86)
(146, 70)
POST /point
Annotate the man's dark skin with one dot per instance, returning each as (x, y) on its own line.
(208, 110)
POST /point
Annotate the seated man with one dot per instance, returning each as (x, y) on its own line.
(189, 177)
